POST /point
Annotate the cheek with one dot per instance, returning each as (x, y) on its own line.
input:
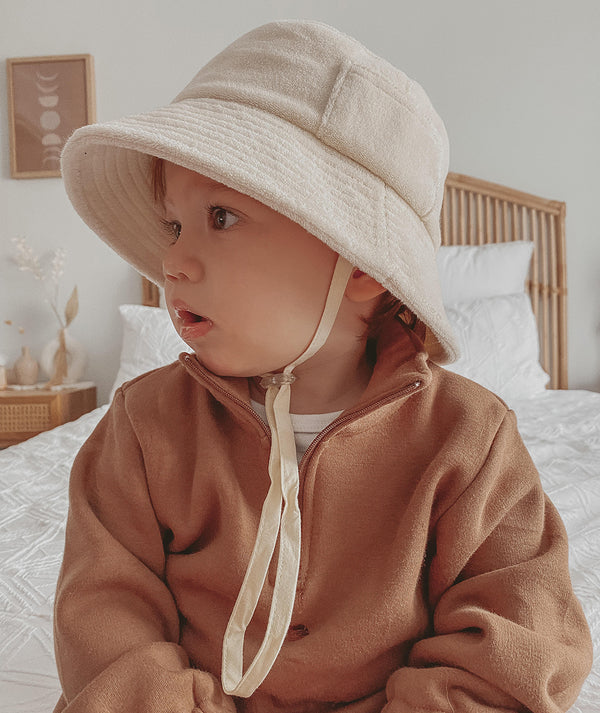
(290, 299)
(304, 272)
(271, 328)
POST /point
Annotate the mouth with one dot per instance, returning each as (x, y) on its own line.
(190, 324)
(187, 317)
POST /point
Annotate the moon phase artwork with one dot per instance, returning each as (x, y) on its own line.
(49, 97)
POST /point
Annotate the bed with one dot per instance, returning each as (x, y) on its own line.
(503, 274)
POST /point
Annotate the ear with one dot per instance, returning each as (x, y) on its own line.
(362, 288)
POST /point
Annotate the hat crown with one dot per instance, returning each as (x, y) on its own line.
(331, 86)
(289, 67)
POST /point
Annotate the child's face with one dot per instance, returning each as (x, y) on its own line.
(244, 285)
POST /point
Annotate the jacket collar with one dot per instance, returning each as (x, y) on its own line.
(401, 361)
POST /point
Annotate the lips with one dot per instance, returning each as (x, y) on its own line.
(190, 324)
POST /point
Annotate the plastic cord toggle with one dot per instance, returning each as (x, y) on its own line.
(276, 380)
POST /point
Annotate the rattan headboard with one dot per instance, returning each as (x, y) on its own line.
(477, 212)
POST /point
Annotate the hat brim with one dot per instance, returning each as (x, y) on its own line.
(106, 170)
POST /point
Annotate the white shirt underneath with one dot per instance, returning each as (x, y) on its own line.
(307, 426)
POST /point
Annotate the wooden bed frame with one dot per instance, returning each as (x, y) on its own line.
(477, 212)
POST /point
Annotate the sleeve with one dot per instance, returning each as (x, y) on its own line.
(508, 633)
(116, 624)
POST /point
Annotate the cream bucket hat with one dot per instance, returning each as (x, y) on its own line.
(306, 120)
(310, 123)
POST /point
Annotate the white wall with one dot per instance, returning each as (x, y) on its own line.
(516, 81)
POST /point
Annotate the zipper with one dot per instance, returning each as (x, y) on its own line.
(206, 377)
(407, 390)
(340, 421)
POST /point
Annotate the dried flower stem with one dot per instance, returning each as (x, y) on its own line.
(28, 261)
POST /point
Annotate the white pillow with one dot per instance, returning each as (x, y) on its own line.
(149, 341)
(483, 288)
(499, 344)
(473, 272)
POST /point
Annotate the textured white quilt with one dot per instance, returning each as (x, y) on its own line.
(561, 429)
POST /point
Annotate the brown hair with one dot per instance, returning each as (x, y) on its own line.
(387, 306)
(157, 179)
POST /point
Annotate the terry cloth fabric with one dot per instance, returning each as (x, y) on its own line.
(306, 120)
(306, 426)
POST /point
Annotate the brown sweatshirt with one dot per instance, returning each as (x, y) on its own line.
(433, 575)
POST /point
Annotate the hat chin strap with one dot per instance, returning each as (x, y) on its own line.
(275, 522)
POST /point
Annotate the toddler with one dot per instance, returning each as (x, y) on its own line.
(308, 512)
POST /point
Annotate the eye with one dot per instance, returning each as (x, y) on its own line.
(172, 228)
(222, 218)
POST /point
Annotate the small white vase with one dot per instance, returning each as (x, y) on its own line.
(76, 358)
(26, 368)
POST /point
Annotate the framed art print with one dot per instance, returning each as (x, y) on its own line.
(48, 98)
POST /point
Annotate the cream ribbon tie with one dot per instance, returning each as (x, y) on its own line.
(280, 518)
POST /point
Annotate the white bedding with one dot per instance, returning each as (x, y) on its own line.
(561, 429)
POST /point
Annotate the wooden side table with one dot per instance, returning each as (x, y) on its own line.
(25, 413)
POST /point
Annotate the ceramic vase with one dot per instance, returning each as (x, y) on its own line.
(64, 359)
(26, 368)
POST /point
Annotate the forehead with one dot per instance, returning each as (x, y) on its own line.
(178, 178)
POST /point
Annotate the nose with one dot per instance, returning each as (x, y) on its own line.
(181, 262)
